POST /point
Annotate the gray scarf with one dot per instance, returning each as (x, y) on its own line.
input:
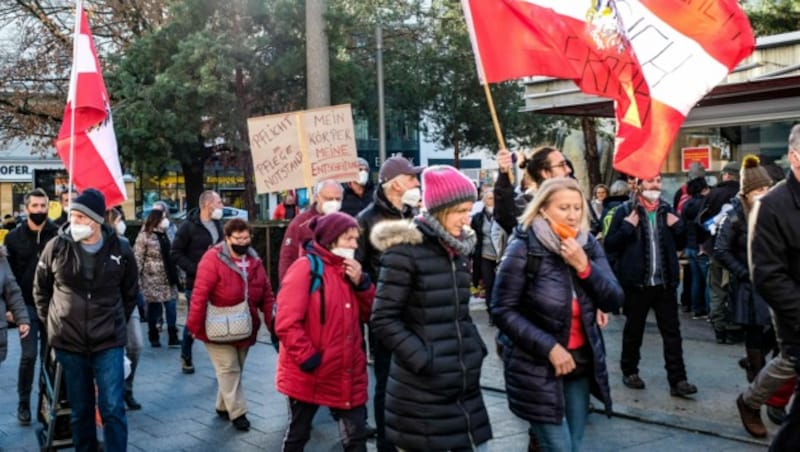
(463, 245)
(548, 237)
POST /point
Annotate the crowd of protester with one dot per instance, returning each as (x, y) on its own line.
(402, 262)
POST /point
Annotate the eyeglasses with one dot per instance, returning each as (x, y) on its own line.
(563, 164)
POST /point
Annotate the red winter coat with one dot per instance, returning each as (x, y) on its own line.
(219, 280)
(297, 234)
(332, 355)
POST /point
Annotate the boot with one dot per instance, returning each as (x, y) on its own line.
(152, 335)
(131, 402)
(755, 361)
(751, 419)
(174, 342)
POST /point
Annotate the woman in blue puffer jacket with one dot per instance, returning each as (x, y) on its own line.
(552, 288)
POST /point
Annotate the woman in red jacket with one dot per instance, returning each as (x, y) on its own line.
(322, 361)
(222, 274)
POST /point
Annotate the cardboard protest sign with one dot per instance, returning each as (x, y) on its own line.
(298, 149)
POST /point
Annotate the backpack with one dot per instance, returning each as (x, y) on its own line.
(317, 268)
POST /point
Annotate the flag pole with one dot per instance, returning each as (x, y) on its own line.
(72, 79)
(495, 121)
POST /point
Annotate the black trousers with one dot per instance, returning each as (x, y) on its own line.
(663, 301)
(352, 426)
(488, 267)
(381, 365)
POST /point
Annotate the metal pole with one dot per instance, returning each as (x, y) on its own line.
(381, 113)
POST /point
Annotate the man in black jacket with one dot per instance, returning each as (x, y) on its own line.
(395, 198)
(201, 230)
(720, 195)
(775, 270)
(644, 238)
(358, 194)
(25, 243)
(85, 289)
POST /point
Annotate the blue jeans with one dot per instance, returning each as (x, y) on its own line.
(568, 435)
(82, 372)
(188, 340)
(698, 264)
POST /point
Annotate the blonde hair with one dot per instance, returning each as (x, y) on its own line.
(440, 215)
(542, 199)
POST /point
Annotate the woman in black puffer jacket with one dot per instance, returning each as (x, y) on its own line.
(421, 313)
(553, 287)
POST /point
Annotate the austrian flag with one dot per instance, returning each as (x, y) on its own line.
(87, 129)
(655, 58)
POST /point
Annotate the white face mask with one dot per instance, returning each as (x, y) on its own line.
(164, 224)
(651, 195)
(411, 197)
(120, 227)
(363, 177)
(216, 214)
(347, 253)
(80, 231)
(331, 207)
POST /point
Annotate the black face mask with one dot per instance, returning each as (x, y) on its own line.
(241, 250)
(38, 218)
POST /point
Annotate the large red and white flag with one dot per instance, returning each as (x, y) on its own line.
(655, 58)
(87, 128)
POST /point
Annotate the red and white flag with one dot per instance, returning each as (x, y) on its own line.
(655, 58)
(87, 129)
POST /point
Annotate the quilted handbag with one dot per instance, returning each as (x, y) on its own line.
(230, 323)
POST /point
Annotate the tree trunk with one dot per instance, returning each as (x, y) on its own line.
(193, 167)
(244, 157)
(589, 127)
(318, 80)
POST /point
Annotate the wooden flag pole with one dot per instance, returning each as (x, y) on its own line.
(496, 123)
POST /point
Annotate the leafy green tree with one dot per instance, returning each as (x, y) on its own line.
(773, 16)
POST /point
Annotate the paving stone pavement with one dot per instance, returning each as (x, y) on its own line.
(178, 411)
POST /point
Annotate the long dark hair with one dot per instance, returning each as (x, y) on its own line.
(153, 219)
(538, 161)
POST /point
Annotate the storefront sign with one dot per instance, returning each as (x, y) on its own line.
(700, 154)
(15, 172)
(297, 149)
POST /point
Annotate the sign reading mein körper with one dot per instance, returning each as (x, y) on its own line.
(298, 149)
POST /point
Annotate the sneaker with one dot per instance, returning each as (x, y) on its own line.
(24, 414)
(223, 414)
(751, 419)
(776, 414)
(682, 388)
(241, 423)
(700, 316)
(633, 381)
(370, 431)
(174, 343)
(186, 365)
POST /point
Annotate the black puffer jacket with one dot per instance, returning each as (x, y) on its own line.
(536, 314)
(730, 249)
(192, 241)
(379, 210)
(86, 316)
(775, 254)
(421, 313)
(631, 248)
(24, 248)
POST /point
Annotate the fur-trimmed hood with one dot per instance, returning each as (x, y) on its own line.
(387, 234)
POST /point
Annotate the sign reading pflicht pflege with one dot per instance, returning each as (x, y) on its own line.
(298, 149)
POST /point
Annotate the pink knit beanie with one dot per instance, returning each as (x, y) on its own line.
(444, 186)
